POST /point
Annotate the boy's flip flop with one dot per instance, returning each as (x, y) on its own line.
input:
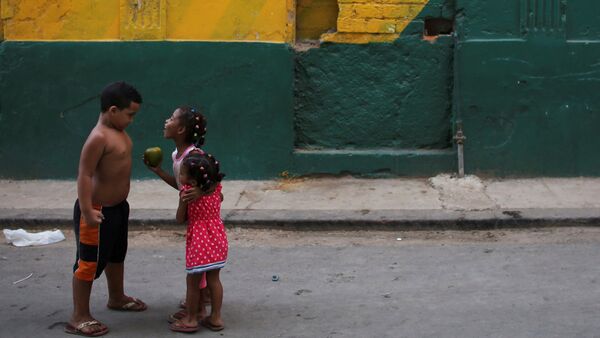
(135, 305)
(78, 330)
(207, 324)
(179, 326)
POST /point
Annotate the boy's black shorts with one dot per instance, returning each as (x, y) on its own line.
(99, 245)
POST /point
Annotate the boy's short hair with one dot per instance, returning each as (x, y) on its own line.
(119, 94)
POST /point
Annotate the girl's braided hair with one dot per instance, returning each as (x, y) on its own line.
(204, 168)
(194, 123)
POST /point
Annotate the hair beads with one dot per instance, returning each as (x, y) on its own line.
(204, 169)
(194, 123)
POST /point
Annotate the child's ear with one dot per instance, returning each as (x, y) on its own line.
(194, 183)
(113, 109)
(181, 130)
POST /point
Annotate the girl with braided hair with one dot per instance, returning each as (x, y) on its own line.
(187, 128)
(206, 241)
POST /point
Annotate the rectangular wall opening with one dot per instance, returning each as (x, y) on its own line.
(435, 27)
(314, 18)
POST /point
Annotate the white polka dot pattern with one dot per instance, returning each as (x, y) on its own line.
(206, 241)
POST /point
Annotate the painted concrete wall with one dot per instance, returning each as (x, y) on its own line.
(314, 17)
(387, 104)
(356, 21)
(364, 21)
(526, 87)
(47, 112)
(223, 20)
(60, 20)
(375, 98)
(247, 89)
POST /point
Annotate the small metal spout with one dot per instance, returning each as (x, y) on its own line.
(460, 138)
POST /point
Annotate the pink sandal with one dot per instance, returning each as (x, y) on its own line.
(179, 326)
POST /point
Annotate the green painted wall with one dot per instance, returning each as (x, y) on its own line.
(521, 75)
(527, 87)
(377, 109)
(375, 96)
(386, 95)
(48, 101)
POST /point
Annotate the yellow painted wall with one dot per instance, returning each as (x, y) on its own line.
(358, 21)
(315, 17)
(221, 20)
(60, 19)
(364, 21)
(243, 20)
(1, 25)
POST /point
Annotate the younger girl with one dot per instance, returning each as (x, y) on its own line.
(206, 241)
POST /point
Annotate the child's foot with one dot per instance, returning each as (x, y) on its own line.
(88, 328)
(127, 304)
(180, 326)
(183, 304)
(179, 315)
(213, 326)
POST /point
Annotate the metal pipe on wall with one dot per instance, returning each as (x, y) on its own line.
(460, 140)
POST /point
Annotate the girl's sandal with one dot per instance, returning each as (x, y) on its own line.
(176, 316)
(179, 315)
(183, 305)
(179, 326)
(207, 324)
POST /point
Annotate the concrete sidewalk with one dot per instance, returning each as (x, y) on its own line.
(441, 201)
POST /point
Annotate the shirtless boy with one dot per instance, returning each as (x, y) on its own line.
(101, 211)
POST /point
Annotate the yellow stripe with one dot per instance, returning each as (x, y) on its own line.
(237, 21)
(198, 20)
(194, 20)
(60, 20)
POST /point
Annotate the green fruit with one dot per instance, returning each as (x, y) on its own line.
(153, 156)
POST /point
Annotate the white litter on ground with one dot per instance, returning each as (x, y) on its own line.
(23, 238)
(23, 279)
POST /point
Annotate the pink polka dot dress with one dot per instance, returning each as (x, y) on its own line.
(206, 241)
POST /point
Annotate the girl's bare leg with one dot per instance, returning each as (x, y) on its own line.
(202, 304)
(216, 296)
(192, 298)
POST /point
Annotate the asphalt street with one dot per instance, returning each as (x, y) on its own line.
(541, 282)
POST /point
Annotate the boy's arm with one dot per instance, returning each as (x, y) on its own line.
(90, 156)
(181, 216)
